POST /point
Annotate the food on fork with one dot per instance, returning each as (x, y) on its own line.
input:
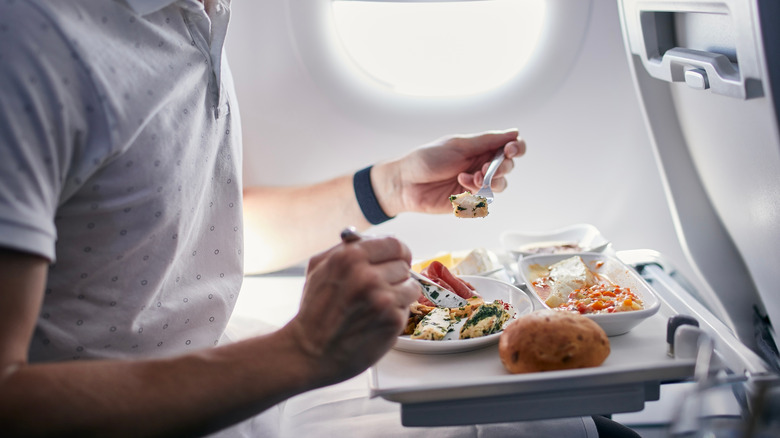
(467, 205)
(548, 340)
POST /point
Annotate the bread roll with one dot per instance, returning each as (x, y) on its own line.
(549, 340)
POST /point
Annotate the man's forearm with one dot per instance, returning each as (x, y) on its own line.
(284, 226)
(184, 396)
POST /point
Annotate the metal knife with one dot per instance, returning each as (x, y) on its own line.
(438, 295)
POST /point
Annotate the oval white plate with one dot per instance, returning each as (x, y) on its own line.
(490, 289)
(586, 236)
(616, 271)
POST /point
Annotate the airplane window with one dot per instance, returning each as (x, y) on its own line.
(474, 46)
(423, 62)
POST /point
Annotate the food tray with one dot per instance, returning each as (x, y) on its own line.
(473, 387)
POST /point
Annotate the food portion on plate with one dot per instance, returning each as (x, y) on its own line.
(547, 340)
(487, 319)
(477, 318)
(434, 326)
(570, 285)
(478, 261)
(468, 205)
(598, 286)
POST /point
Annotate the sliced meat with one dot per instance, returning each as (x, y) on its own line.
(442, 276)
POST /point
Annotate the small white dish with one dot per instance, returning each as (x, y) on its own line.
(587, 237)
(490, 272)
(610, 267)
(490, 289)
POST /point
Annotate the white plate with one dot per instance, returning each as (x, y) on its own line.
(586, 236)
(490, 289)
(616, 271)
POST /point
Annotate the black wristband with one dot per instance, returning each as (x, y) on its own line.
(366, 198)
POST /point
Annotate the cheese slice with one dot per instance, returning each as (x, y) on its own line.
(477, 261)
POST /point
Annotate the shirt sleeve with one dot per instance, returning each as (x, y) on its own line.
(46, 102)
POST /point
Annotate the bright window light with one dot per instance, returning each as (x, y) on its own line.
(449, 48)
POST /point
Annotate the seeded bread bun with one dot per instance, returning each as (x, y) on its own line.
(549, 340)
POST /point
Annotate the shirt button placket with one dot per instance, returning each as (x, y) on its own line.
(200, 25)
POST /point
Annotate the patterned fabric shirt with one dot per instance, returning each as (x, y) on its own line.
(120, 162)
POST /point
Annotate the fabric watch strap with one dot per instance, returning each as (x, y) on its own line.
(366, 197)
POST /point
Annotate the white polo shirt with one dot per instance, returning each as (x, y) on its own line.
(120, 161)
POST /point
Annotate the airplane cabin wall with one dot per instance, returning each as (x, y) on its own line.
(588, 160)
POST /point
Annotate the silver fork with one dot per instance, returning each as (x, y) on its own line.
(487, 192)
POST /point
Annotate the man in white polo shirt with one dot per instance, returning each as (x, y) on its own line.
(121, 229)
